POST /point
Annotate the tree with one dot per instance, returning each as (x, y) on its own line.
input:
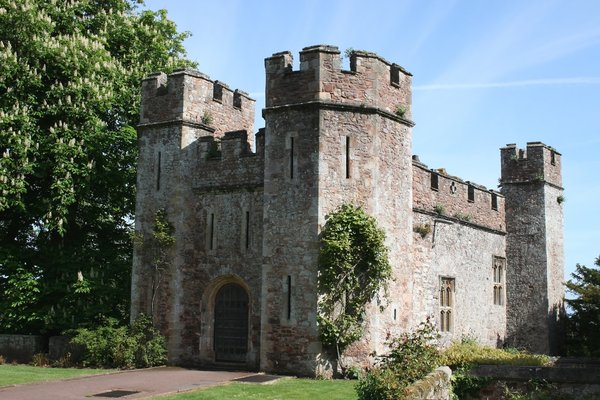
(583, 323)
(353, 270)
(70, 74)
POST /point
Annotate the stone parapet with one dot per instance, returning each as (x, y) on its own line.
(537, 163)
(436, 191)
(372, 82)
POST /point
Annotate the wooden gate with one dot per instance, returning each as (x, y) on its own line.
(231, 324)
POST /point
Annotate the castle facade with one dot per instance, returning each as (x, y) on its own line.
(238, 286)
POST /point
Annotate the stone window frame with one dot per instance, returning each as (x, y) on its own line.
(218, 92)
(447, 294)
(499, 279)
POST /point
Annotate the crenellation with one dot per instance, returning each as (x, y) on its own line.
(537, 163)
(247, 224)
(374, 84)
(451, 197)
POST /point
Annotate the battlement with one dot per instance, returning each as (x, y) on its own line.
(191, 97)
(371, 82)
(537, 163)
(435, 191)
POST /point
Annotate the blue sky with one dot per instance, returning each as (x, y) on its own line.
(486, 73)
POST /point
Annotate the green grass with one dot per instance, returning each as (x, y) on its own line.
(288, 389)
(471, 353)
(19, 374)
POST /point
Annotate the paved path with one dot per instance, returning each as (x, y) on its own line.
(147, 383)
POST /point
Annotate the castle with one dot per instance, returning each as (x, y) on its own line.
(238, 286)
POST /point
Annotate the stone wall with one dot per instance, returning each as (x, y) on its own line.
(464, 252)
(581, 382)
(451, 195)
(535, 259)
(331, 137)
(435, 386)
(184, 170)
(21, 348)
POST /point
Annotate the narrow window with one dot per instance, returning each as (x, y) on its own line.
(292, 157)
(394, 314)
(247, 234)
(498, 271)
(494, 201)
(158, 166)
(471, 193)
(347, 157)
(553, 158)
(211, 231)
(446, 304)
(434, 181)
(289, 297)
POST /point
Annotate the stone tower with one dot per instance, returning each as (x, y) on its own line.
(193, 146)
(532, 185)
(331, 136)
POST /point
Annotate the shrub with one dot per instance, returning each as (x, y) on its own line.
(113, 346)
(40, 360)
(465, 353)
(461, 356)
(411, 357)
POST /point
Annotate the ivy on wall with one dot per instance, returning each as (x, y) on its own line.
(353, 270)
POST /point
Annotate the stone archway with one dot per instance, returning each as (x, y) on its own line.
(231, 324)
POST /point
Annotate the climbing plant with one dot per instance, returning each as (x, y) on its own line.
(353, 270)
(162, 241)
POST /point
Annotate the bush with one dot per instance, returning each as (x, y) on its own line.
(465, 353)
(40, 360)
(113, 346)
(462, 356)
(412, 356)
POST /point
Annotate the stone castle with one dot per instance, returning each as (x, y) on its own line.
(239, 287)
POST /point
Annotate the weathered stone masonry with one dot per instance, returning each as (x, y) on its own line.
(241, 284)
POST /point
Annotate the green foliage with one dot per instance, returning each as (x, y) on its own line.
(400, 110)
(422, 229)
(162, 242)
(583, 324)
(462, 217)
(462, 356)
(21, 291)
(40, 360)
(70, 74)
(465, 384)
(114, 346)
(412, 356)
(466, 353)
(353, 270)
(439, 209)
(560, 199)
(206, 118)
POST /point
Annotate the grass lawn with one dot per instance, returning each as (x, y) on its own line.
(288, 389)
(18, 374)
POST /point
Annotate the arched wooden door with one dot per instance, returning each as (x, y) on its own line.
(231, 324)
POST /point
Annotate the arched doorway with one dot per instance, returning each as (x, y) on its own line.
(231, 324)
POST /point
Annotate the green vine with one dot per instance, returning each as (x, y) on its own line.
(353, 269)
(163, 240)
